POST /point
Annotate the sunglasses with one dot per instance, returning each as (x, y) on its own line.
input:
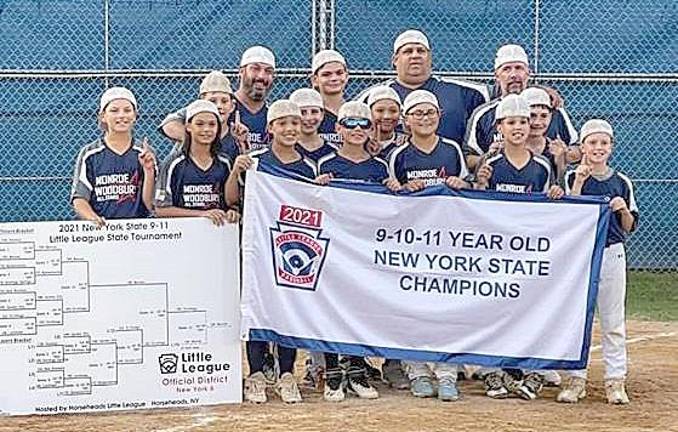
(352, 123)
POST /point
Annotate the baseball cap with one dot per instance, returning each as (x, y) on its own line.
(200, 106)
(536, 96)
(410, 36)
(307, 97)
(354, 109)
(215, 81)
(257, 54)
(382, 93)
(419, 97)
(326, 56)
(114, 93)
(512, 105)
(282, 108)
(508, 54)
(595, 126)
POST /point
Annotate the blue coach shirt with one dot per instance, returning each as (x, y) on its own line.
(112, 183)
(184, 184)
(535, 177)
(612, 184)
(371, 169)
(409, 163)
(256, 122)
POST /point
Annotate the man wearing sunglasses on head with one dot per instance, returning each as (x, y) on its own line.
(412, 59)
(428, 159)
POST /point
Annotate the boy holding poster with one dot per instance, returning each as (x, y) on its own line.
(515, 169)
(594, 177)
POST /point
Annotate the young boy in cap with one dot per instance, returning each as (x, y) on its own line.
(329, 75)
(385, 107)
(311, 144)
(427, 159)
(284, 125)
(515, 169)
(595, 177)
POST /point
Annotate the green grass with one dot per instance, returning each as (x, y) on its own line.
(652, 295)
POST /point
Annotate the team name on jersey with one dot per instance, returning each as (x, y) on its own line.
(429, 176)
(257, 140)
(116, 187)
(204, 196)
(515, 188)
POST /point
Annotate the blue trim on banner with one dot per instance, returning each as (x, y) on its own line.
(413, 355)
(604, 213)
(437, 190)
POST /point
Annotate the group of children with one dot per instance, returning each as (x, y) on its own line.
(115, 177)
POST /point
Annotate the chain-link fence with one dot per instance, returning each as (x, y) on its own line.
(607, 58)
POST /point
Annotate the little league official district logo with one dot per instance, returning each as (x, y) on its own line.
(168, 363)
(298, 254)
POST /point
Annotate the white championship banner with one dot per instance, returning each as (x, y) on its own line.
(141, 313)
(476, 278)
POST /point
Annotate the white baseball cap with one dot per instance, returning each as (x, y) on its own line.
(382, 93)
(257, 54)
(215, 81)
(354, 109)
(419, 97)
(410, 36)
(200, 106)
(326, 56)
(536, 96)
(114, 93)
(282, 108)
(307, 97)
(509, 54)
(512, 105)
(595, 126)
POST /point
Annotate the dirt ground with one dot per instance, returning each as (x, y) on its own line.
(653, 388)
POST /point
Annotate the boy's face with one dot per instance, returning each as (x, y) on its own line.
(385, 114)
(285, 130)
(331, 78)
(223, 101)
(514, 130)
(597, 147)
(423, 119)
(357, 135)
(540, 119)
(311, 117)
(119, 116)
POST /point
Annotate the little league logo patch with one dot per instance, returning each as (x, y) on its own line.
(298, 252)
(168, 363)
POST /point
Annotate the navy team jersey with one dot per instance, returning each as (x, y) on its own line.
(184, 184)
(535, 177)
(612, 184)
(302, 166)
(319, 153)
(457, 99)
(388, 146)
(482, 131)
(372, 169)
(327, 129)
(256, 122)
(110, 182)
(229, 147)
(408, 163)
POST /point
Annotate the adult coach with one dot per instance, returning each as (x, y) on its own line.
(512, 73)
(412, 59)
(257, 70)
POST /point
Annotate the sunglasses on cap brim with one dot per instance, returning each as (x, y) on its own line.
(353, 122)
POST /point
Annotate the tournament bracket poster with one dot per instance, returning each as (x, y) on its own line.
(137, 314)
(470, 277)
